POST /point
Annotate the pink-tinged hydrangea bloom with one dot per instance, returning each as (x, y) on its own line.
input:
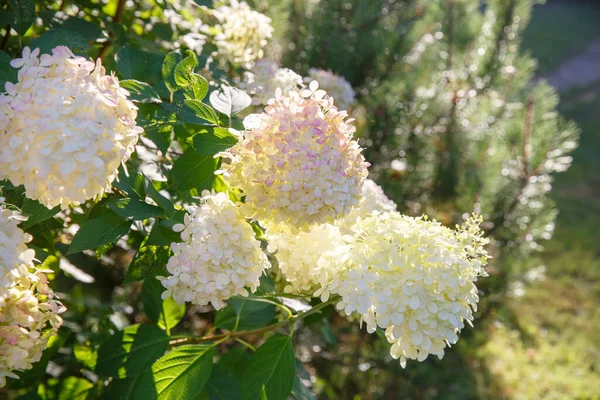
(66, 127)
(336, 86)
(299, 165)
(218, 258)
(29, 313)
(412, 277)
(265, 77)
(242, 33)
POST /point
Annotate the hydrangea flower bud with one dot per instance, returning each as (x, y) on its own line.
(265, 78)
(336, 86)
(243, 33)
(218, 258)
(67, 127)
(29, 313)
(298, 165)
(412, 277)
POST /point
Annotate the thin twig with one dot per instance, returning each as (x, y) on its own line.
(6, 36)
(234, 335)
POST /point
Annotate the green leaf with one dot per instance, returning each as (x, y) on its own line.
(86, 355)
(72, 388)
(36, 213)
(168, 70)
(131, 351)
(107, 228)
(166, 313)
(60, 37)
(7, 72)
(87, 29)
(246, 313)
(130, 62)
(149, 262)
(206, 3)
(161, 200)
(271, 371)
(184, 114)
(162, 236)
(135, 209)
(235, 360)
(134, 387)
(23, 15)
(301, 391)
(193, 170)
(222, 385)
(185, 69)
(181, 374)
(203, 111)
(133, 184)
(229, 100)
(210, 141)
(140, 92)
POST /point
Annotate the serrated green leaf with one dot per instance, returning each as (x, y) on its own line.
(193, 170)
(97, 232)
(162, 236)
(135, 209)
(149, 262)
(222, 385)
(131, 351)
(140, 92)
(210, 141)
(203, 111)
(72, 388)
(184, 71)
(130, 62)
(181, 374)
(161, 200)
(168, 69)
(86, 355)
(133, 184)
(7, 72)
(235, 360)
(245, 314)
(271, 371)
(60, 37)
(36, 213)
(184, 114)
(23, 15)
(135, 387)
(166, 313)
(229, 100)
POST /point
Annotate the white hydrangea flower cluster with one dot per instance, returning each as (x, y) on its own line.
(218, 258)
(13, 246)
(67, 127)
(336, 86)
(265, 78)
(299, 165)
(243, 33)
(412, 277)
(29, 313)
(304, 257)
(372, 199)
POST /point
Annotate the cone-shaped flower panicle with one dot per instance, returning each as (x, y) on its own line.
(265, 77)
(29, 312)
(373, 199)
(218, 258)
(66, 127)
(242, 33)
(336, 86)
(412, 277)
(298, 165)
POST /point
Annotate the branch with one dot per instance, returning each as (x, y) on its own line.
(116, 19)
(6, 36)
(235, 335)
